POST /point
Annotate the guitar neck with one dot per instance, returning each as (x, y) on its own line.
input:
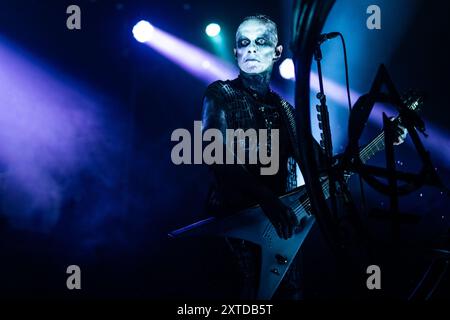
(413, 103)
(365, 154)
(372, 148)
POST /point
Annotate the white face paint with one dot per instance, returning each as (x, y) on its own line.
(255, 46)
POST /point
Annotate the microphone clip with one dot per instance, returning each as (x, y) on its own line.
(327, 36)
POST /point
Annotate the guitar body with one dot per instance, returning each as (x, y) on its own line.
(252, 225)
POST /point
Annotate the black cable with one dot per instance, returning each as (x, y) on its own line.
(361, 185)
(346, 74)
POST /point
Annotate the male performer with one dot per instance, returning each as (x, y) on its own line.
(244, 103)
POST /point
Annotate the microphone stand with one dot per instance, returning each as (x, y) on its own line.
(324, 124)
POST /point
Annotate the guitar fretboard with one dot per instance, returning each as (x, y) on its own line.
(372, 148)
(365, 154)
(376, 145)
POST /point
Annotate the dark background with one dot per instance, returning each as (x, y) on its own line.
(113, 212)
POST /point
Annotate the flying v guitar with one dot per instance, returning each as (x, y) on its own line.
(252, 225)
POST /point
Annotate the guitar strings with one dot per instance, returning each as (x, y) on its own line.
(364, 155)
(366, 151)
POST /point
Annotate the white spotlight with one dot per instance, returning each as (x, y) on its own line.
(287, 69)
(206, 64)
(212, 30)
(143, 31)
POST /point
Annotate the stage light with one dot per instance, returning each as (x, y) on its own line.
(206, 64)
(143, 31)
(287, 70)
(212, 30)
(195, 60)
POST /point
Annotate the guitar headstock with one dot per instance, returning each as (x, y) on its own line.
(413, 100)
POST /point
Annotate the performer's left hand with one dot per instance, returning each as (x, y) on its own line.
(401, 133)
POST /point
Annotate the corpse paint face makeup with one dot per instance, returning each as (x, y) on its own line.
(255, 46)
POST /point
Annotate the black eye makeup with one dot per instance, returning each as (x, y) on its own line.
(268, 38)
(243, 42)
(262, 41)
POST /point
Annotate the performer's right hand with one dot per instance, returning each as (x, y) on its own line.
(282, 217)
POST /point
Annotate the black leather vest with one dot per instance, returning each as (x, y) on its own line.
(244, 109)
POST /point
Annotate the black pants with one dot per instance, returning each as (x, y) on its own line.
(248, 258)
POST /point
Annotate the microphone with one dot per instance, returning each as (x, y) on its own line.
(327, 36)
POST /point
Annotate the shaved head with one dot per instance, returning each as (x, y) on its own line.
(257, 48)
(262, 19)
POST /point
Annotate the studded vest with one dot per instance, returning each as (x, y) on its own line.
(244, 109)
